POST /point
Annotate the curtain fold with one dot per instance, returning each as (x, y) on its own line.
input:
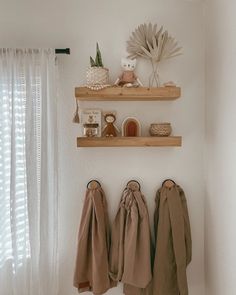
(28, 172)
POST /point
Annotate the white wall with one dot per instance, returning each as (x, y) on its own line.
(221, 148)
(79, 24)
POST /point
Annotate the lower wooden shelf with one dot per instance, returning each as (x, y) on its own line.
(170, 141)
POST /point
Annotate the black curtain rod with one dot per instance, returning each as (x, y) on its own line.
(62, 51)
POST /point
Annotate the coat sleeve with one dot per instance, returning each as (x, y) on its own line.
(83, 254)
(156, 214)
(116, 261)
(188, 238)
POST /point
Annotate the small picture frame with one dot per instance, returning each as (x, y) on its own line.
(92, 117)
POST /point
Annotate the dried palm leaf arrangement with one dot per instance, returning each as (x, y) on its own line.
(154, 44)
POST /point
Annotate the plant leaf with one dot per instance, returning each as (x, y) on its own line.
(99, 62)
(92, 62)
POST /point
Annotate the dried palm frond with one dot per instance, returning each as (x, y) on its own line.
(149, 42)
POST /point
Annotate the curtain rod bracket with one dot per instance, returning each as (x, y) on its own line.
(62, 51)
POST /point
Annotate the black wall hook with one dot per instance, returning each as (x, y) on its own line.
(94, 180)
(168, 182)
(135, 182)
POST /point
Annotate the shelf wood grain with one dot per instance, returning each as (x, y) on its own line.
(128, 94)
(170, 141)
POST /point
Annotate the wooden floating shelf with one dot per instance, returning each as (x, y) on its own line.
(128, 94)
(170, 141)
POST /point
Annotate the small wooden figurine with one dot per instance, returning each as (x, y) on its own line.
(110, 130)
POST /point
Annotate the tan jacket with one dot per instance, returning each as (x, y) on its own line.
(91, 271)
(173, 242)
(130, 257)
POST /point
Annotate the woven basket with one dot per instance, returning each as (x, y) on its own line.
(160, 129)
(97, 77)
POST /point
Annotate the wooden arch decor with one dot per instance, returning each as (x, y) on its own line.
(131, 127)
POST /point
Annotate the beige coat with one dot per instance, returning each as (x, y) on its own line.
(130, 259)
(91, 271)
(173, 242)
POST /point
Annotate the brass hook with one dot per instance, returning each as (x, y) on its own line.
(168, 183)
(134, 185)
(93, 184)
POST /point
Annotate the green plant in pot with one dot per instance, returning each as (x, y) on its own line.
(97, 62)
(97, 75)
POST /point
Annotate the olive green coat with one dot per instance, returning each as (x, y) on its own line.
(173, 242)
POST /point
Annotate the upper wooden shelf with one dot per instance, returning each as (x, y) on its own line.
(128, 94)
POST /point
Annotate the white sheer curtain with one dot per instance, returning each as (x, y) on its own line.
(28, 172)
